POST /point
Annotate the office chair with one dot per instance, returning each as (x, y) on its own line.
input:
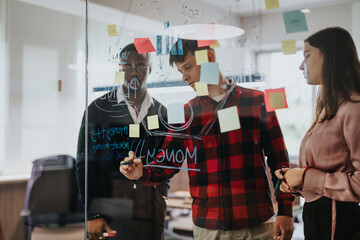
(52, 197)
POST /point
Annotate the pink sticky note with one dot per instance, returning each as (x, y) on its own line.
(204, 43)
(143, 45)
(275, 99)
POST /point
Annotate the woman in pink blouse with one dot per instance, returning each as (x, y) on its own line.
(328, 176)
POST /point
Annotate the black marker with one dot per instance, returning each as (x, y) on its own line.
(131, 161)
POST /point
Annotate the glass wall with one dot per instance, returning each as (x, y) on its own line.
(129, 98)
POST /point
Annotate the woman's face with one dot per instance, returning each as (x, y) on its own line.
(312, 64)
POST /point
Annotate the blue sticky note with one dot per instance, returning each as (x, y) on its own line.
(209, 73)
(158, 45)
(173, 48)
(295, 21)
(180, 47)
(175, 113)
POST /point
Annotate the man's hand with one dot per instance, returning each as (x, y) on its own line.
(132, 171)
(95, 229)
(286, 225)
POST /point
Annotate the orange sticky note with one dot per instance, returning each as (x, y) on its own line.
(119, 77)
(143, 45)
(275, 99)
(134, 130)
(271, 4)
(217, 44)
(201, 89)
(201, 56)
(204, 43)
(153, 122)
(288, 47)
(112, 30)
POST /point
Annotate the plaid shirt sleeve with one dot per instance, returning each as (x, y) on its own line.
(165, 164)
(276, 153)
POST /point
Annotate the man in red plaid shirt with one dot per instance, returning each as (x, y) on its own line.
(228, 181)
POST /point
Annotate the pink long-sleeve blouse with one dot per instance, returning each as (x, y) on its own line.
(332, 151)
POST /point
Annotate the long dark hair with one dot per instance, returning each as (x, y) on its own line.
(340, 70)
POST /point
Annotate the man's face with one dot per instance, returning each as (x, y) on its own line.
(136, 68)
(189, 70)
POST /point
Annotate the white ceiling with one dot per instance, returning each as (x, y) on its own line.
(149, 15)
(239, 7)
(246, 7)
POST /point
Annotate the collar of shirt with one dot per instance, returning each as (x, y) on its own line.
(135, 114)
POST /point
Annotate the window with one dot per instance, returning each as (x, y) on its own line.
(283, 71)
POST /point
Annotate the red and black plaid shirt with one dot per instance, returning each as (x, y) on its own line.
(231, 190)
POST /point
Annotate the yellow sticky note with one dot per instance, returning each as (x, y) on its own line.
(201, 57)
(112, 30)
(228, 119)
(201, 89)
(277, 100)
(134, 130)
(271, 4)
(288, 47)
(217, 44)
(153, 122)
(119, 77)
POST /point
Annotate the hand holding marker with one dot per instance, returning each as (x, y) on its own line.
(277, 186)
(132, 160)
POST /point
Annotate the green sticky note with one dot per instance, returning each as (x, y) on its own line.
(134, 130)
(153, 122)
(277, 100)
(112, 30)
(229, 119)
(201, 56)
(295, 21)
(201, 89)
(271, 4)
(119, 77)
(288, 47)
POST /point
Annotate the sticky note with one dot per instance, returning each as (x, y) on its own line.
(228, 119)
(56, 85)
(271, 4)
(201, 56)
(217, 44)
(134, 130)
(288, 47)
(175, 113)
(119, 77)
(204, 43)
(158, 45)
(201, 89)
(275, 99)
(112, 30)
(153, 122)
(209, 73)
(295, 21)
(143, 45)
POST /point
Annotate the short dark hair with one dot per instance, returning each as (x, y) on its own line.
(340, 70)
(188, 46)
(128, 48)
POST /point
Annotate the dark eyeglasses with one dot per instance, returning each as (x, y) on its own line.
(129, 68)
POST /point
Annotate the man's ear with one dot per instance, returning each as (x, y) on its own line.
(149, 69)
(211, 55)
